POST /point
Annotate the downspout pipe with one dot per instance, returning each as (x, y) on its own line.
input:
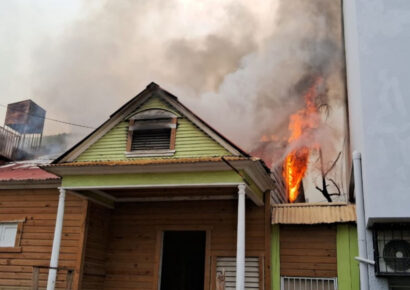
(55, 252)
(361, 224)
(240, 244)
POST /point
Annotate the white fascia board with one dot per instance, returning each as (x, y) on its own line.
(110, 123)
(200, 125)
(143, 186)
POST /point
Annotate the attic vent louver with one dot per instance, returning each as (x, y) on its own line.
(151, 133)
(155, 139)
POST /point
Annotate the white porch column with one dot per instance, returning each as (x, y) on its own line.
(240, 244)
(55, 252)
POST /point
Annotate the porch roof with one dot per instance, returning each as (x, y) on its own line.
(162, 173)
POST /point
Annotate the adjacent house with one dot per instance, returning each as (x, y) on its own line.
(157, 199)
(314, 246)
(28, 205)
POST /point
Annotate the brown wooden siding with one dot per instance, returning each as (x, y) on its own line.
(96, 246)
(308, 251)
(38, 207)
(134, 243)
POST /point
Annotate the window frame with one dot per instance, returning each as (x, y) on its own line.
(153, 115)
(17, 241)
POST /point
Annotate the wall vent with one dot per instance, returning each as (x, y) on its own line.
(226, 267)
(154, 139)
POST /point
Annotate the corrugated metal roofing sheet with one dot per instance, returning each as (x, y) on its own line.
(149, 161)
(313, 213)
(25, 171)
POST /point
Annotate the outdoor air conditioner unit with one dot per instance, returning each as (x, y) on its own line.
(392, 249)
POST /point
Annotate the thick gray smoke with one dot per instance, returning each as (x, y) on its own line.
(245, 75)
(270, 82)
(110, 55)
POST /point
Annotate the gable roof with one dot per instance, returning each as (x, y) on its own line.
(131, 106)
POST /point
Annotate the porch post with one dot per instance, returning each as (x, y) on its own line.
(240, 244)
(55, 252)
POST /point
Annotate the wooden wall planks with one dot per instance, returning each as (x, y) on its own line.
(95, 247)
(132, 253)
(308, 251)
(39, 207)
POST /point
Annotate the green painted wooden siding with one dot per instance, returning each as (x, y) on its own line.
(152, 178)
(155, 103)
(347, 250)
(190, 141)
(275, 258)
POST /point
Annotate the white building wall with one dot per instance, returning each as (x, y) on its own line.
(378, 60)
(377, 35)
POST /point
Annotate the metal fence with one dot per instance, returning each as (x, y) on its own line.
(307, 283)
(9, 143)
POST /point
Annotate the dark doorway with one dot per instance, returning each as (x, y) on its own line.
(183, 260)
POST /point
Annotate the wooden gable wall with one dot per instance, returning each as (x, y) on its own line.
(190, 140)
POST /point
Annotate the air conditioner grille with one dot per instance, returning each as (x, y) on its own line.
(392, 250)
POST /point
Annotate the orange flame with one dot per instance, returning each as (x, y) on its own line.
(295, 163)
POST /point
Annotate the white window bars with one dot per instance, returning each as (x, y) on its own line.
(308, 283)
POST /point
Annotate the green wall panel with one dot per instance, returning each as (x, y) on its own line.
(347, 250)
(190, 141)
(155, 103)
(152, 178)
(275, 258)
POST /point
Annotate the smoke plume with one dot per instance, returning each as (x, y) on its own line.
(241, 66)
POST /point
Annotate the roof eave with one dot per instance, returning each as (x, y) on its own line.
(25, 184)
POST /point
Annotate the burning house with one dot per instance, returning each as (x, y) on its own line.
(156, 199)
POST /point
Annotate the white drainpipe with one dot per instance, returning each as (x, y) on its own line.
(361, 226)
(55, 252)
(240, 244)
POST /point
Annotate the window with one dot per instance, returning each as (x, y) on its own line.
(10, 235)
(152, 133)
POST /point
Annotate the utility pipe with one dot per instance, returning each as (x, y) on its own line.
(55, 252)
(367, 261)
(240, 244)
(361, 226)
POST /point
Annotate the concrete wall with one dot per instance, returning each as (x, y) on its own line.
(378, 62)
(377, 34)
